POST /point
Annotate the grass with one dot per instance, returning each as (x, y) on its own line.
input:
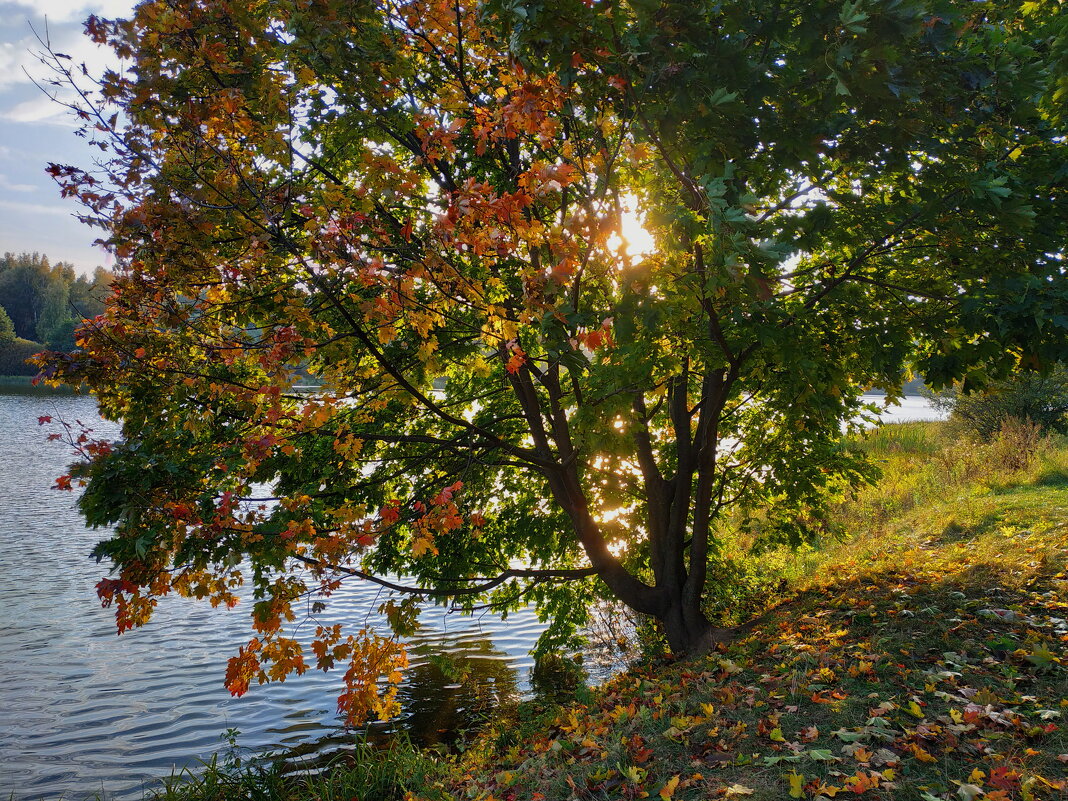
(921, 657)
(22, 384)
(365, 771)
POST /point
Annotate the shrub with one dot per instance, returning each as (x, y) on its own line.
(1017, 443)
(1040, 398)
(13, 356)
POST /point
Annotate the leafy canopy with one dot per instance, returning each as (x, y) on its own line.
(415, 206)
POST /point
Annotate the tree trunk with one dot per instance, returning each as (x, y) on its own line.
(688, 631)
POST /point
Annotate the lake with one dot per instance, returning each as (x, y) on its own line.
(87, 712)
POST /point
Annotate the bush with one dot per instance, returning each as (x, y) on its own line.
(1040, 398)
(1018, 443)
(13, 356)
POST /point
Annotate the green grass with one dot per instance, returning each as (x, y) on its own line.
(365, 771)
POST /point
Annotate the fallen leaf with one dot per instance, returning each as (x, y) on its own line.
(668, 790)
(739, 789)
(920, 754)
(1003, 778)
(862, 782)
(797, 783)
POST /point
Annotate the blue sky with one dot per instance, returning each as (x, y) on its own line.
(34, 131)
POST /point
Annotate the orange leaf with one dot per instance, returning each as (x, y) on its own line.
(519, 358)
(862, 782)
(668, 790)
(920, 754)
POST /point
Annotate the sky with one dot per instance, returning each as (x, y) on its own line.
(34, 130)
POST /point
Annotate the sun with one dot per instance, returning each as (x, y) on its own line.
(633, 240)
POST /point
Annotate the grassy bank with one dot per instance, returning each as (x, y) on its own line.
(16, 380)
(921, 657)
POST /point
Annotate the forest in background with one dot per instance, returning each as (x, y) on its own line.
(41, 305)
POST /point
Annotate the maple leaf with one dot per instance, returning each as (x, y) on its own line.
(517, 360)
(423, 544)
(797, 783)
(1005, 778)
(861, 782)
(668, 790)
(241, 669)
(920, 753)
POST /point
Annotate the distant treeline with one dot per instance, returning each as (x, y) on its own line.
(41, 305)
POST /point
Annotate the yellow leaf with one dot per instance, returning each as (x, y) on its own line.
(739, 789)
(668, 790)
(776, 736)
(976, 776)
(914, 709)
(422, 544)
(797, 783)
(920, 754)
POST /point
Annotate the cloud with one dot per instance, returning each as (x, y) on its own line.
(70, 10)
(39, 110)
(38, 208)
(13, 187)
(25, 36)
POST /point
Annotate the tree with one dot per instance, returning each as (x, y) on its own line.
(7, 328)
(422, 205)
(47, 303)
(33, 293)
(87, 295)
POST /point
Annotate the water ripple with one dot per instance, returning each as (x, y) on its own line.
(88, 712)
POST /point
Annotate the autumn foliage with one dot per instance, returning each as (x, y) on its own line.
(377, 315)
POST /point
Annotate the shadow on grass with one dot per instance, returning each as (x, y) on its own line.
(997, 582)
(955, 532)
(1052, 478)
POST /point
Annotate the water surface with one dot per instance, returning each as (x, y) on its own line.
(86, 711)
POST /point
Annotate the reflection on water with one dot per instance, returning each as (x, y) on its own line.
(448, 689)
(86, 711)
(909, 408)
